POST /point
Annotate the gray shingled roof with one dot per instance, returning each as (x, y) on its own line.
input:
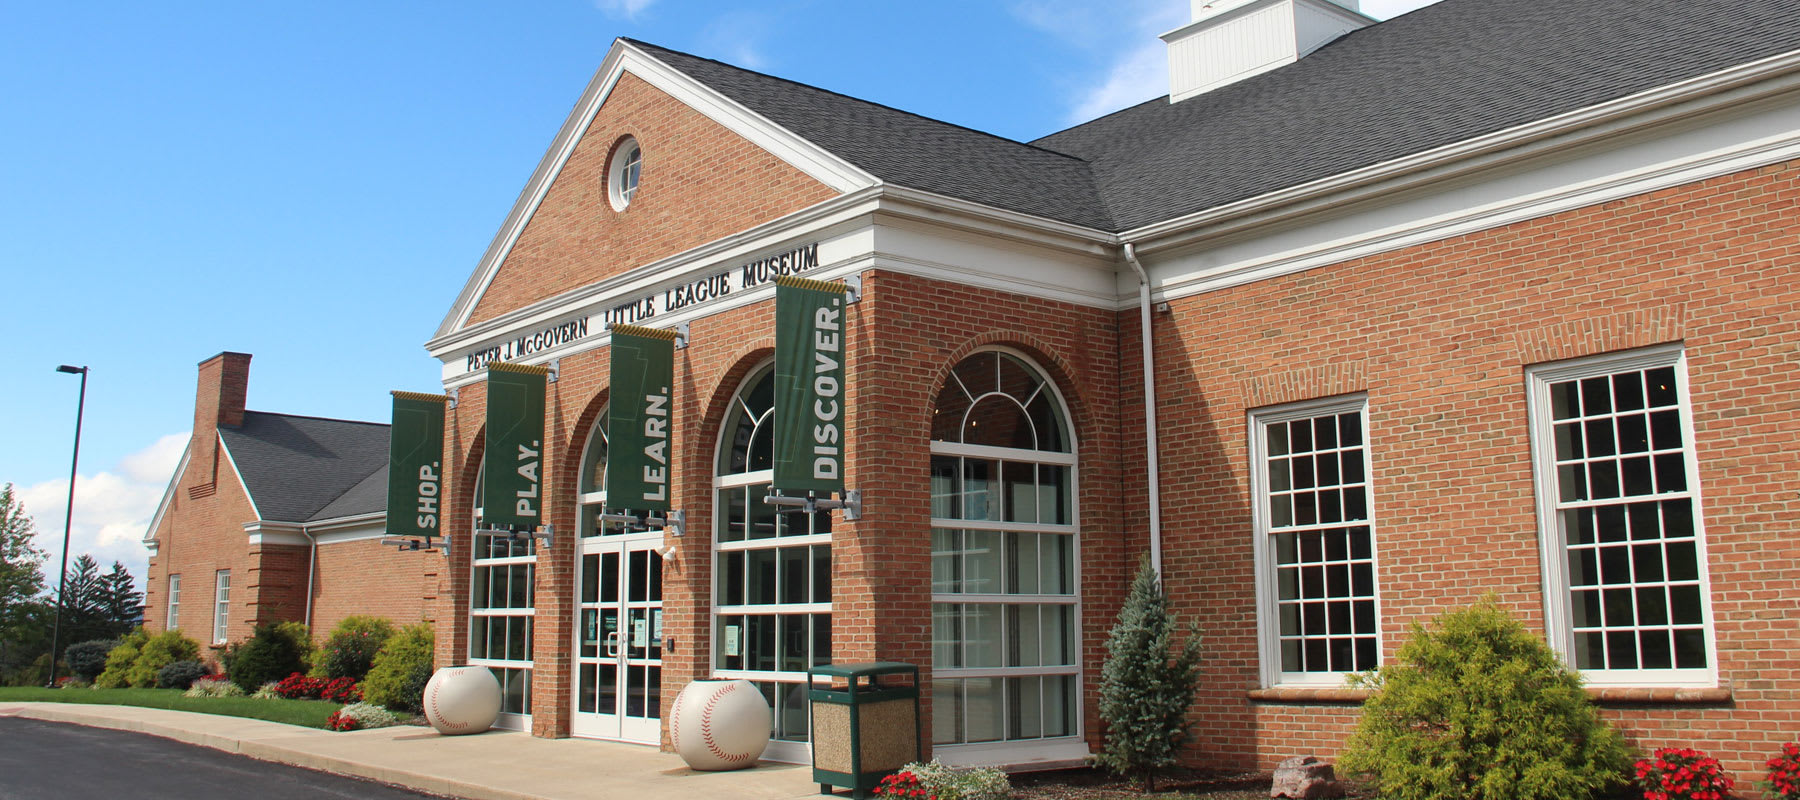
(301, 469)
(1442, 74)
(907, 149)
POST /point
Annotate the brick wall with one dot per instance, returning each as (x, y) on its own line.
(699, 182)
(364, 578)
(1438, 336)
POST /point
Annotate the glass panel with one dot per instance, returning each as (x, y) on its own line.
(946, 712)
(984, 703)
(946, 635)
(984, 643)
(945, 498)
(981, 562)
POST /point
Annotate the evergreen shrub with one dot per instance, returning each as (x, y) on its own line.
(402, 668)
(181, 674)
(350, 650)
(269, 654)
(1477, 708)
(87, 659)
(1146, 684)
(120, 659)
(157, 652)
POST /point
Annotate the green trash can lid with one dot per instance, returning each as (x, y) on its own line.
(859, 670)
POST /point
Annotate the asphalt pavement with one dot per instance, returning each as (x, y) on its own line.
(53, 761)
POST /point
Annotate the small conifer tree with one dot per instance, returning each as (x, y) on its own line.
(1147, 684)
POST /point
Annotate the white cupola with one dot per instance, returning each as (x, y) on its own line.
(1230, 40)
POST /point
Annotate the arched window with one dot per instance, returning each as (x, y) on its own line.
(502, 574)
(1005, 649)
(772, 570)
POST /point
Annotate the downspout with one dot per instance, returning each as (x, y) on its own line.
(312, 566)
(1150, 448)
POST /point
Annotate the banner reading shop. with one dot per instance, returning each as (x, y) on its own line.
(809, 386)
(638, 419)
(416, 464)
(512, 496)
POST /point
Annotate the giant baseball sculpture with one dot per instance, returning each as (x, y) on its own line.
(462, 700)
(720, 725)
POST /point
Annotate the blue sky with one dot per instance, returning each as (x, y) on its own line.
(312, 183)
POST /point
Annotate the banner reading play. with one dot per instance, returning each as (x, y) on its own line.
(638, 420)
(416, 465)
(514, 456)
(809, 386)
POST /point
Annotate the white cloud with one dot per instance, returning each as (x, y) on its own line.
(629, 9)
(1138, 76)
(735, 39)
(112, 508)
(1124, 34)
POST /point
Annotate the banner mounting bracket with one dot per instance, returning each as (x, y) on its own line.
(851, 503)
(453, 392)
(673, 522)
(555, 367)
(416, 544)
(853, 285)
(681, 336)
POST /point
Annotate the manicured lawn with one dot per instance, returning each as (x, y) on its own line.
(309, 713)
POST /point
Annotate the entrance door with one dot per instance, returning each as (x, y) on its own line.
(618, 628)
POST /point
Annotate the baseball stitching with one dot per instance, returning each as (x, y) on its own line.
(706, 733)
(432, 705)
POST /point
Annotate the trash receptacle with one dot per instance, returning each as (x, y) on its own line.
(865, 724)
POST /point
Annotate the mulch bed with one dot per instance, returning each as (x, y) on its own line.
(1092, 784)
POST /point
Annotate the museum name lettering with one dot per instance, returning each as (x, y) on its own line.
(711, 287)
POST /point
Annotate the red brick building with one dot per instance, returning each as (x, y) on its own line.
(1494, 297)
(275, 518)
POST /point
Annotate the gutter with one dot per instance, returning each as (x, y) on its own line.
(1154, 477)
(312, 566)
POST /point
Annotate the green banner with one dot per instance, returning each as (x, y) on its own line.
(416, 465)
(809, 386)
(638, 419)
(514, 456)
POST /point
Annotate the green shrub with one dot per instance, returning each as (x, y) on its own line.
(401, 670)
(181, 674)
(301, 636)
(119, 661)
(157, 652)
(267, 692)
(1477, 708)
(270, 654)
(1146, 684)
(87, 659)
(350, 650)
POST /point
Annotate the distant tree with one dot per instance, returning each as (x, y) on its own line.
(122, 599)
(21, 563)
(84, 598)
(23, 610)
(1147, 683)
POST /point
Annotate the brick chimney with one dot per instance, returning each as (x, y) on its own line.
(219, 402)
(1230, 40)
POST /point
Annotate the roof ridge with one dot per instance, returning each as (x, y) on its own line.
(325, 419)
(854, 98)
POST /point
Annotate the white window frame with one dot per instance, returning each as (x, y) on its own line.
(172, 617)
(1072, 746)
(221, 605)
(778, 749)
(1268, 621)
(506, 721)
(1552, 548)
(623, 173)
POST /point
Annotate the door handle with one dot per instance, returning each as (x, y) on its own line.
(612, 644)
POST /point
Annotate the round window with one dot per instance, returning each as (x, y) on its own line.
(622, 174)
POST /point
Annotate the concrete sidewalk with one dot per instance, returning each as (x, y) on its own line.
(496, 765)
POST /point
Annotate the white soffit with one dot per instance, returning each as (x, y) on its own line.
(816, 162)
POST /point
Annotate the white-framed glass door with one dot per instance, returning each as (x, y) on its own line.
(618, 648)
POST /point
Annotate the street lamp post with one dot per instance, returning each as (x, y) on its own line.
(62, 575)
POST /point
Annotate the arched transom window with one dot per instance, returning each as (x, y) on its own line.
(1005, 651)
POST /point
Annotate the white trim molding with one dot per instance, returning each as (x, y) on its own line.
(162, 506)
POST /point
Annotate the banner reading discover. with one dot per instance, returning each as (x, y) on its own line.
(809, 386)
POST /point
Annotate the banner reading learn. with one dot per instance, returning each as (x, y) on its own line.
(809, 386)
(416, 465)
(512, 496)
(639, 419)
